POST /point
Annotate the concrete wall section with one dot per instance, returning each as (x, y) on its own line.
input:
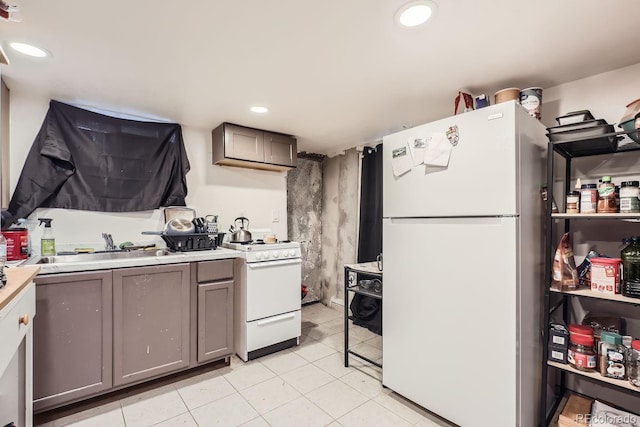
(304, 221)
(339, 220)
(228, 192)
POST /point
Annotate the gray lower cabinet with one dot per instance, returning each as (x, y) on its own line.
(215, 320)
(150, 321)
(212, 300)
(72, 356)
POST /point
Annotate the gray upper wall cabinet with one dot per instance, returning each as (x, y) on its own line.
(234, 145)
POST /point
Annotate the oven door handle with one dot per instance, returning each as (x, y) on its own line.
(264, 264)
(275, 319)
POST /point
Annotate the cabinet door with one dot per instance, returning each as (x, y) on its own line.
(72, 356)
(280, 149)
(215, 320)
(150, 321)
(243, 143)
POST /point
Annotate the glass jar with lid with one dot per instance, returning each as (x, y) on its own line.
(612, 356)
(581, 355)
(633, 363)
(573, 202)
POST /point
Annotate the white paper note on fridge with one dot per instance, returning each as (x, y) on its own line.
(438, 150)
(417, 146)
(400, 160)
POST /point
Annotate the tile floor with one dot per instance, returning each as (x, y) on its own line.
(306, 385)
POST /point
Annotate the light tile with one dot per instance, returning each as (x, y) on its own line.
(367, 350)
(402, 407)
(336, 341)
(256, 422)
(203, 389)
(314, 351)
(321, 316)
(298, 413)
(106, 415)
(372, 414)
(319, 332)
(249, 375)
(269, 395)
(307, 378)
(229, 411)
(283, 361)
(375, 342)
(184, 420)
(334, 365)
(365, 384)
(336, 398)
(335, 324)
(335, 424)
(361, 333)
(152, 407)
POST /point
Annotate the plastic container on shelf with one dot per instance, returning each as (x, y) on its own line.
(606, 196)
(630, 197)
(588, 198)
(574, 117)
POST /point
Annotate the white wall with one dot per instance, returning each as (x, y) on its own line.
(226, 191)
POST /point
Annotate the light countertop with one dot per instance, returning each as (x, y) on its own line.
(172, 258)
(17, 279)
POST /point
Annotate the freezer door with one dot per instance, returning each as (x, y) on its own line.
(481, 176)
(450, 319)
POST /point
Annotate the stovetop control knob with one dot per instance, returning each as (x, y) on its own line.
(258, 255)
(276, 254)
(292, 252)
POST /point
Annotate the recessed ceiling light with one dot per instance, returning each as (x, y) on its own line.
(29, 50)
(259, 109)
(415, 13)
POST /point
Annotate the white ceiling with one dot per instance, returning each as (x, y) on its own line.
(334, 73)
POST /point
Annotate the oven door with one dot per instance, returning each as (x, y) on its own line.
(273, 287)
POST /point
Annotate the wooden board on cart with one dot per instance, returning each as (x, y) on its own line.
(575, 412)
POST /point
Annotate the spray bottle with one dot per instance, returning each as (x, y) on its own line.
(47, 242)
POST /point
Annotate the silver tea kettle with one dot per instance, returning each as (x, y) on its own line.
(240, 235)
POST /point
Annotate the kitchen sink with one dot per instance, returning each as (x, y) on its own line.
(96, 256)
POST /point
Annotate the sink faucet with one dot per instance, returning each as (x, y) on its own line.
(108, 242)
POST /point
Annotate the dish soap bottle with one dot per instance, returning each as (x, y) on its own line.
(47, 242)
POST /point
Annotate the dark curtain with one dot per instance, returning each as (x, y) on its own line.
(84, 160)
(370, 241)
(367, 311)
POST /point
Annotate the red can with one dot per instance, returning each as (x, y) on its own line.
(17, 244)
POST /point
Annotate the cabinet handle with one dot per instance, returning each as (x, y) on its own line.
(23, 320)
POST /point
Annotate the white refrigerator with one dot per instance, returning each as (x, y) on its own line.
(463, 264)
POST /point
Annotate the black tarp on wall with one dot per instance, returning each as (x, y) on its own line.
(84, 160)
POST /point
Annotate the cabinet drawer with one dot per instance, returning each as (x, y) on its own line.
(209, 271)
(11, 330)
(272, 330)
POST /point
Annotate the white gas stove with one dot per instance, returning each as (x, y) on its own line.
(260, 252)
(267, 299)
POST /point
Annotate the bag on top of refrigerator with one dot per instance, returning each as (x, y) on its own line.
(565, 273)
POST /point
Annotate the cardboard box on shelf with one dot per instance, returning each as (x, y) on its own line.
(575, 412)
